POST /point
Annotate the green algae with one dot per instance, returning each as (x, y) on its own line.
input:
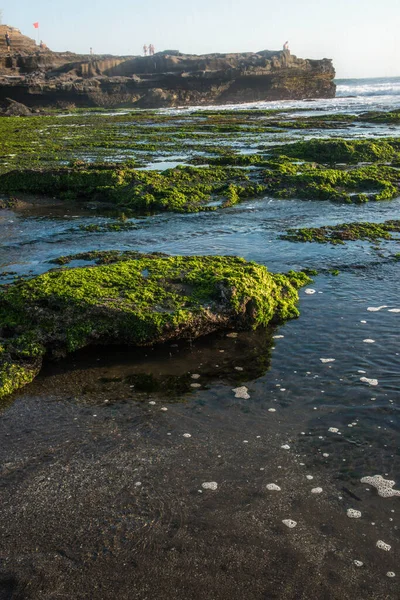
(339, 234)
(182, 189)
(137, 301)
(341, 151)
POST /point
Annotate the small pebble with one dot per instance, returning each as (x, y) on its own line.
(390, 574)
(187, 435)
(272, 487)
(195, 376)
(285, 447)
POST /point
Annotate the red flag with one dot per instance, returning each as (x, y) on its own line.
(36, 25)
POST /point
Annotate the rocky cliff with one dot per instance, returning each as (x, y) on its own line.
(45, 78)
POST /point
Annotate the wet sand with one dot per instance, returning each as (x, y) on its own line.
(104, 498)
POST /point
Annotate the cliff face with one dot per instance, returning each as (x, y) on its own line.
(165, 79)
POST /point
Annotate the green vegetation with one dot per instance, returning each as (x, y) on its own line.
(339, 234)
(94, 155)
(341, 151)
(137, 301)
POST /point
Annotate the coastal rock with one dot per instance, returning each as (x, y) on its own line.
(10, 108)
(44, 78)
(139, 302)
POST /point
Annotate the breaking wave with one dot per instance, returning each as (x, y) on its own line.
(368, 87)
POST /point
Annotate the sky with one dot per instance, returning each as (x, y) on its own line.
(361, 36)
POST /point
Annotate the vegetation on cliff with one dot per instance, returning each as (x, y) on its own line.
(138, 301)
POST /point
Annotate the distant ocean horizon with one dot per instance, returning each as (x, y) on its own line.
(372, 86)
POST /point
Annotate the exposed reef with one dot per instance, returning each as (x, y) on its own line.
(139, 301)
(344, 232)
(45, 78)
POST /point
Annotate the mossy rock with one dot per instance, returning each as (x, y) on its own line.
(138, 301)
(344, 232)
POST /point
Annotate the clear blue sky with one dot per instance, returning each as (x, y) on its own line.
(362, 36)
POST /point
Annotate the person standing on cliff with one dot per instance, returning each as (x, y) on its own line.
(151, 50)
(8, 41)
(145, 50)
(286, 47)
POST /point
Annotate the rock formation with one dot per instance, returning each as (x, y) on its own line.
(45, 78)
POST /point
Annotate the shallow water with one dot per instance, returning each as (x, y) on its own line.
(91, 414)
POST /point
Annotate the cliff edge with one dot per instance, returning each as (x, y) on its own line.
(167, 79)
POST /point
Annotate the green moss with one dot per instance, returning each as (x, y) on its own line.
(136, 301)
(341, 151)
(339, 234)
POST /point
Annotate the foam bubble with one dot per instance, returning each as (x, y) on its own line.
(333, 430)
(272, 487)
(209, 485)
(309, 291)
(369, 341)
(369, 381)
(382, 546)
(327, 360)
(272, 410)
(289, 523)
(383, 486)
(277, 337)
(353, 514)
(376, 308)
(394, 310)
(241, 392)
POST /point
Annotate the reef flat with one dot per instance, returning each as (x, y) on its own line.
(196, 161)
(340, 234)
(135, 302)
